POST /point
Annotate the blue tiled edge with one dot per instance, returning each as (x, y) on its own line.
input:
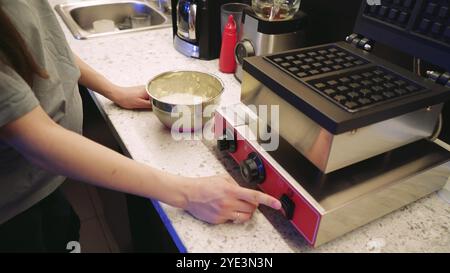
(169, 226)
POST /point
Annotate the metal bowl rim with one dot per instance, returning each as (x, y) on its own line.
(178, 71)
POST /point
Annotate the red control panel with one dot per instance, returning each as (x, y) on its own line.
(255, 169)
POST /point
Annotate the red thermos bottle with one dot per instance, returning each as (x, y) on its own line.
(227, 62)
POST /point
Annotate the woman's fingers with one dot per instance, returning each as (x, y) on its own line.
(252, 196)
(225, 200)
(256, 197)
(134, 97)
(243, 206)
(144, 93)
(144, 104)
(239, 217)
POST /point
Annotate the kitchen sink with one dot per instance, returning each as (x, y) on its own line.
(119, 14)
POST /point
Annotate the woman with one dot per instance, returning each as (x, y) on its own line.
(40, 141)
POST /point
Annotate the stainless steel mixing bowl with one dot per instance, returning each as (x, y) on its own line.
(180, 98)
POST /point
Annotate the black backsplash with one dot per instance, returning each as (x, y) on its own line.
(331, 21)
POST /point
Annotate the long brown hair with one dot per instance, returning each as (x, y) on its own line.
(14, 47)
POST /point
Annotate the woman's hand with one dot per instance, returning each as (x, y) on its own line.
(134, 97)
(126, 97)
(51, 147)
(219, 199)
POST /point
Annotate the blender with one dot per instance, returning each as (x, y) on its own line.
(275, 9)
(269, 26)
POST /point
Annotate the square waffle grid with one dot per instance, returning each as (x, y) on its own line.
(355, 90)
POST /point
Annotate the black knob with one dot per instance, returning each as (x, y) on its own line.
(227, 142)
(288, 206)
(252, 169)
(243, 50)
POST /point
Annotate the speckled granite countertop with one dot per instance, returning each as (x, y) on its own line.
(132, 59)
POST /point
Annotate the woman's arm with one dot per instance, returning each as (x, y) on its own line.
(134, 97)
(48, 145)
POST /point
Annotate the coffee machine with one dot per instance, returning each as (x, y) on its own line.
(260, 36)
(196, 27)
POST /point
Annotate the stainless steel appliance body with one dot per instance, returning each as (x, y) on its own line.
(186, 20)
(330, 152)
(328, 136)
(322, 206)
(351, 140)
(259, 36)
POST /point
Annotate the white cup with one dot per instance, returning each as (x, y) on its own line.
(103, 26)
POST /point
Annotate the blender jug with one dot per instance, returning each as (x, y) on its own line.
(273, 10)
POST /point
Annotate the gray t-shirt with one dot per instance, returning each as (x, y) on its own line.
(21, 183)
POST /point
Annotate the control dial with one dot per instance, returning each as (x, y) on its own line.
(243, 50)
(288, 206)
(252, 169)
